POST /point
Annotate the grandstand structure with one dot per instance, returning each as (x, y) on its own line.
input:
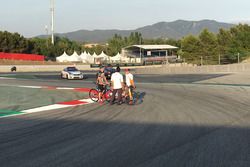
(150, 53)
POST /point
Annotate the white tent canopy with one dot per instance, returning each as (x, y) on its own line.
(102, 55)
(116, 58)
(62, 58)
(90, 59)
(74, 57)
(84, 57)
(94, 55)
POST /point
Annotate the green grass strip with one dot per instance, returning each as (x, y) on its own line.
(8, 112)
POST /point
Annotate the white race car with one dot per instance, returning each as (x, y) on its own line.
(71, 73)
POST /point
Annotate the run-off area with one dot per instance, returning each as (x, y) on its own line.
(13, 100)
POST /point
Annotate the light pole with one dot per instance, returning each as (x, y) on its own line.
(52, 10)
(47, 33)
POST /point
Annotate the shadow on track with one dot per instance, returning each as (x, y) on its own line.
(120, 144)
(139, 97)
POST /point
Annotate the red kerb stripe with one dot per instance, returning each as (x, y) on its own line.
(82, 89)
(74, 102)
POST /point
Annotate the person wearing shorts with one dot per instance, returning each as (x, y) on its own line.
(129, 84)
(101, 82)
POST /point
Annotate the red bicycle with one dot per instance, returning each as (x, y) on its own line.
(107, 94)
(94, 94)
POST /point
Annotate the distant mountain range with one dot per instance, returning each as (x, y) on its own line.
(175, 30)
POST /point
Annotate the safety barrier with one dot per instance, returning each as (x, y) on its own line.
(19, 56)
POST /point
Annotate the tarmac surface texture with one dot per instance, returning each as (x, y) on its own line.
(180, 120)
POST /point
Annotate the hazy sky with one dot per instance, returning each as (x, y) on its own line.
(29, 17)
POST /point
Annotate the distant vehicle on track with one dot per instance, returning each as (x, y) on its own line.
(108, 71)
(71, 73)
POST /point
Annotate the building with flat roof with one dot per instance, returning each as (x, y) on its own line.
(149, 53)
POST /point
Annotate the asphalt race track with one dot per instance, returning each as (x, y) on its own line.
(179, 121)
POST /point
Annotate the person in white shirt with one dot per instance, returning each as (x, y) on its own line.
(117, 86)
(130, 84)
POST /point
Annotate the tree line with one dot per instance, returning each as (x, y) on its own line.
(226, 44)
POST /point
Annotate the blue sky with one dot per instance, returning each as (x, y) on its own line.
(29, 17)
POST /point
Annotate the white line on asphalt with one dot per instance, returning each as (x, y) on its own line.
(87, 100)
(6, 78)
(56, 106)
(62, 88)
(34, 87)
(40, 87)
(46, 108)
(50, 107)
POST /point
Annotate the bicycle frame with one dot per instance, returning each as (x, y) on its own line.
(94, 94)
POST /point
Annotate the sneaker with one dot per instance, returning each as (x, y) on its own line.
(130, 102)
(119, 103)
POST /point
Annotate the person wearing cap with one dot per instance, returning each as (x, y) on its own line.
(130, 84)
(101, 82)
(117, 85)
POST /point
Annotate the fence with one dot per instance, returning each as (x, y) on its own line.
(183, 68)
(215, 60)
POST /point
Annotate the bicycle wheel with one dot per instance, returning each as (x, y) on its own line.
(108, 95)
(94, 95)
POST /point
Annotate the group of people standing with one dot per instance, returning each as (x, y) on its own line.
(117, 85)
